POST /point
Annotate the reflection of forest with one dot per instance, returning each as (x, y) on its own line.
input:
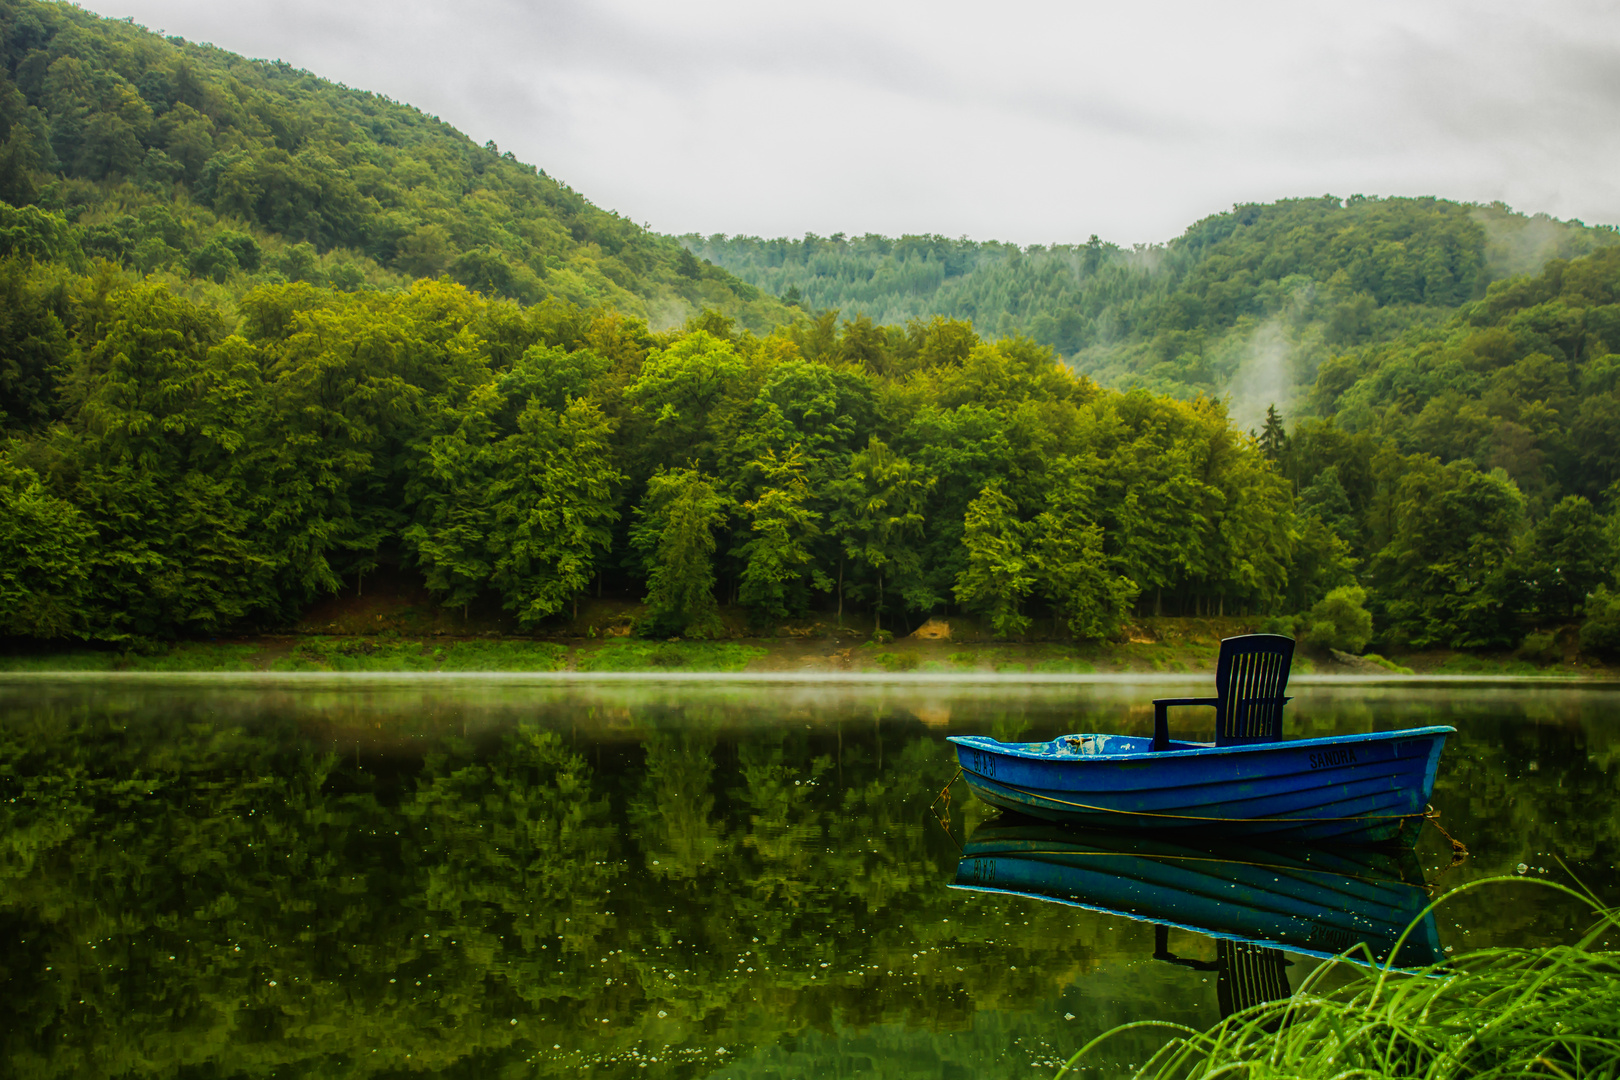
(233, 881)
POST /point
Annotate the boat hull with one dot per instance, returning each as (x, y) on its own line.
(1370, 905)
(1360, 789)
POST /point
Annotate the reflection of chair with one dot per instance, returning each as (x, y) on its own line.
(1245, 975)
(1250, 677)
(1248, 975)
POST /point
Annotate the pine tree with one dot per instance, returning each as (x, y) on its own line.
(1273, 437)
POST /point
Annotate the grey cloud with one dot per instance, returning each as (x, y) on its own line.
(1164, 113)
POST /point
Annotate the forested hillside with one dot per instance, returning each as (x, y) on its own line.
(1249, 301)
(1470, 466)
(220, 173)
(173, 473)
(261, 335)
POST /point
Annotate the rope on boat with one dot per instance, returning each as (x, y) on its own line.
(1426, 814)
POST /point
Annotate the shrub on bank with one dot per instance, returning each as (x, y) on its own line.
(1338, 621)
(1600, 633)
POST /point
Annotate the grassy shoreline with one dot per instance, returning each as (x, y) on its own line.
(1190, 652)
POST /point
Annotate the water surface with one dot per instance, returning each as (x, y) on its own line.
(237, 877)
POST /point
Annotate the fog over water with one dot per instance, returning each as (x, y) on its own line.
(1032, 122)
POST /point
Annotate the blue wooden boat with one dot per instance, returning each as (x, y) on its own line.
(1306, 899)
(1362, 789)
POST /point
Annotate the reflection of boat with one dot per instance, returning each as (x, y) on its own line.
(1363, 789)
(1305, 899)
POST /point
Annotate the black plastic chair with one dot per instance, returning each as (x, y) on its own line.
(1250, 678)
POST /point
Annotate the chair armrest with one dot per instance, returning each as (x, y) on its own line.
(1161, 717)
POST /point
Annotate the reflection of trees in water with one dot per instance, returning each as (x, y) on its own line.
(513, 878)
(320, 910)
(672, 815)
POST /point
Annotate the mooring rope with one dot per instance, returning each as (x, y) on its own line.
(944, 815)
(1293, 820)
(1459, 850)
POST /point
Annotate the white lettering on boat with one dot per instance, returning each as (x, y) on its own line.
(1327, 759)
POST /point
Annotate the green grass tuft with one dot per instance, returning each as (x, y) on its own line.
(1491, 1013)
(501, 656)
(1387, 665)
(355, 654)
(392, 654)
(1469, 664)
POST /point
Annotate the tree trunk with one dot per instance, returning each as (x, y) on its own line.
(840, 594)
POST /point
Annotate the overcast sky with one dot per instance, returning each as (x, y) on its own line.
(1032, 122)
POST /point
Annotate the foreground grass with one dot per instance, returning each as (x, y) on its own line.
(1491, 1013)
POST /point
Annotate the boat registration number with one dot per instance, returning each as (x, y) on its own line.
(984, 764)
(1327, 759)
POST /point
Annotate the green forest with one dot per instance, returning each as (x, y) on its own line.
(1251, 300)
(261, 335)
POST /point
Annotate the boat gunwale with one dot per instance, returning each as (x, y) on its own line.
(1014, 750)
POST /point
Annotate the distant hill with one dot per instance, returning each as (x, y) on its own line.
(1247, 302)
(192, 162)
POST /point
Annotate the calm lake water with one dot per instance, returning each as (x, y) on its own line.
(221, 877)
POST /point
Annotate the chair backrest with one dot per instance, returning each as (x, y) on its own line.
(1250, 678)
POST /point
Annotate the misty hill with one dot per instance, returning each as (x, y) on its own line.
(1249, 301)
(262, 336)
(188, 161)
